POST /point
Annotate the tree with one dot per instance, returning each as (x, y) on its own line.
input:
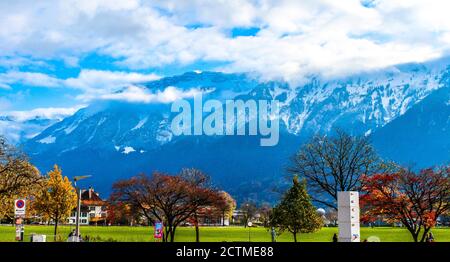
(336, 163)
(265, 211)
(120, 213)
(249, 210)
(206, 199)
(331, 216)
(18, 178)
(295, 213)
(416, 200)
(57, 198)
(220, 204)
(226, 205)
(170, 199)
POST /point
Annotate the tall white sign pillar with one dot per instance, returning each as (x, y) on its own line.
(348, 216)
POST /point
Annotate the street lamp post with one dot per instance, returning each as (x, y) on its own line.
(77, 216)
(250, 224)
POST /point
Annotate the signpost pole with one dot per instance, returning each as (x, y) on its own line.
(77, 222)
(19, 215)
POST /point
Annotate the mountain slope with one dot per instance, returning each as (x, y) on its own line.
(112, 140)
(420, 137)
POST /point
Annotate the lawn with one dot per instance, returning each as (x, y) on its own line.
(213, 234)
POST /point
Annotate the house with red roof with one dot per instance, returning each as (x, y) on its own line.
(93, 210)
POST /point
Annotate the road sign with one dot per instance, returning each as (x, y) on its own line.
(19, 207)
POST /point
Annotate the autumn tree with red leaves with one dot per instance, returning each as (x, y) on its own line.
(414, 199)
(166, 198)
(120, 213)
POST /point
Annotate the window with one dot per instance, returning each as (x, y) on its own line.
(92, 208)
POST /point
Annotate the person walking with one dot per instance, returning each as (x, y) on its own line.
(335, 238)
(430, 237)
(273, 234)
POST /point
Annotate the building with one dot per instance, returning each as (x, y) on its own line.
(208, 216)
(238, 217)
(93, 210)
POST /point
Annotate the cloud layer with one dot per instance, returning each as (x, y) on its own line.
(91, 83)
(41, 113)
(19, 125)
(138, 94)
(295, 38)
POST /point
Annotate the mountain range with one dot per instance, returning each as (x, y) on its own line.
(405, 110)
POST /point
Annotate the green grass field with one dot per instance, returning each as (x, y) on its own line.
(214, 234)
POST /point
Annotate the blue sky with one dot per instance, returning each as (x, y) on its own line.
(58, 56)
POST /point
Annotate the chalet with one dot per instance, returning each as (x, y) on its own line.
(93, 209)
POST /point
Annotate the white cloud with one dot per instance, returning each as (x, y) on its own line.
(4, 86)
(92, 83)
(11, 131)
(96, 84)
(138, 94)
(230, 13)
(297, 38)
(16, 127)
(57, 113)
(14, 62)
(106, 80)
(27, 78)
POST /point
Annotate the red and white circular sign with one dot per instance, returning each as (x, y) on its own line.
(20, 203)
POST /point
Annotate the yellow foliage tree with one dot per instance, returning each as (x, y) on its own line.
(57, 198)
(226, 205)
(18, 178)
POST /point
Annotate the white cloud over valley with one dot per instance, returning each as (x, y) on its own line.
(42, 113)
(19, 125)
